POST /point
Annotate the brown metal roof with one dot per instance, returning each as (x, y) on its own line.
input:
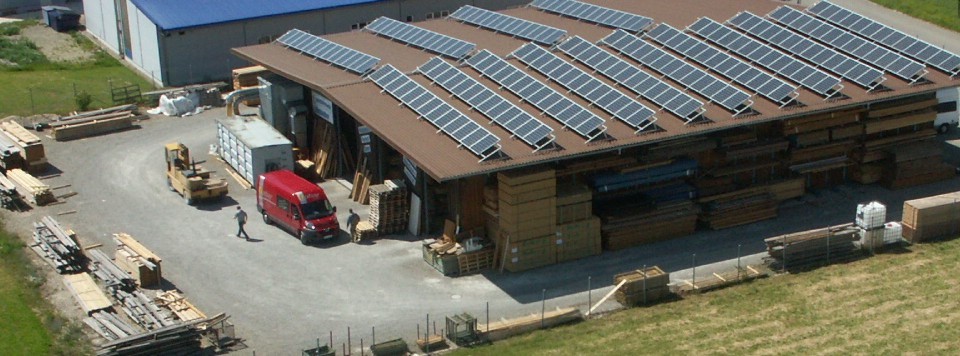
(439, 156)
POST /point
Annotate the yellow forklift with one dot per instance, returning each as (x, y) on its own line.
(190, 180)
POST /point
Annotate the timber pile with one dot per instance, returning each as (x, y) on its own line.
(657, 172)
(805, 249)
(9, 197)
(247, 77)
(31, 147)
(504, 328)
(178, 304)
(491, 202)
(933, 217)
(642, 286)
(625, 228)
(755, 203)
(87, 293)
(325, 150)
(527, 221)
(143, 310)
(137, 260)
(57, 246)
(94, 125)
(820, 122)
(183, 339)
(361, 183)
(529, 253)
(596, 164)
(364, 232)
(37, 192)
(389, 209)
(721, 280)
(578, 239)
(11, 155)
(109, 326)
(107, 271)
(915, 164)
(574, 203)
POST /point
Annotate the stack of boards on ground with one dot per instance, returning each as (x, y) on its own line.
(93, 123)
(578, 230)
(527, 207)
(805, 249)
(389, 209)
(137, 260)
(31, 149)
(35, 191)
(641, 286)
(931, 218)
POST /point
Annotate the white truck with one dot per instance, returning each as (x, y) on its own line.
(947, 114)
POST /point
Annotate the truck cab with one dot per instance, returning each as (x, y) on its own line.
(296, 205)
(947, 114)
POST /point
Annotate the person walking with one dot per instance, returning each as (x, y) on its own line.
(352, 222)
(241, 217)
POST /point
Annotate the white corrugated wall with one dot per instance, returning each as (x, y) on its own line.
(101, 22)
(144, 44)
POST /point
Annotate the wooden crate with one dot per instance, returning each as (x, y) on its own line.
(574, 212)
(578, 239)
(476, 261)
(932, 217)
(532, 253)
(142, 264)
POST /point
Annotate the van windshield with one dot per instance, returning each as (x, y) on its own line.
(316, 209)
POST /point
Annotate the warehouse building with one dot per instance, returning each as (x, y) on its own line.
(563, 127)
(179, 42)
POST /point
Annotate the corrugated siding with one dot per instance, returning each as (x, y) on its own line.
(179, 14)
(101, 22)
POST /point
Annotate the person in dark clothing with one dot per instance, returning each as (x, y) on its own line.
(241, 217)
(352, 222)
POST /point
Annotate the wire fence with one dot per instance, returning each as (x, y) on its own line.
(65, 97)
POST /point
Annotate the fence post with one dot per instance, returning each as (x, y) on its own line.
(694, 271)
(589, 294)
(426, 335)
(543, 305)
(644, 285)
(488, 317)
(33, 109)
(783, 240)
(348, 339)
(738, 261)
(374, 330)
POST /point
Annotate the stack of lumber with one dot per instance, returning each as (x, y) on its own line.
(365, 231)
(915, 164)
(31, 148)
(874, 148)
(933, 217)
(94, 125)
(505, 328)
(641, 286)
(906, 115)
(109, 326)
(30, 187)
(389, 209)
(656, 172)
(721, 280)
(743, 206)
(11, 155)
(57, 246)
(529, 253)
(626, 228)
(804, 249)
(574, 203)
(596, 164)
(9, 197)
(113, 277)
(183, 339)
(325, 154)
(361, 184)
(178, 304)
(246, 77)
(821, 121)
(137, 260)
(527, 209)
(143, 310)
(578, 231)
(491, 202)
(87, 293)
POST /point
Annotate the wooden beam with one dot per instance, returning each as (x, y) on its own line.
(609, 294)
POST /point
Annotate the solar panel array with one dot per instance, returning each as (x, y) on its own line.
(426, 39)
(445, 117)
(691, 77)
(330, 52)
(883, 34)
(596, 14)
(508, 24)
(631, 77)
(772, 59)
(856, 46)
(816, 53)
(748, 76)
(558, 106)
(521, 124)
(595, 91)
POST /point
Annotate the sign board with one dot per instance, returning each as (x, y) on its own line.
(322, 107)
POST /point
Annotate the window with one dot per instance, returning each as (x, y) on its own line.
(949, 106)
(283, 204)
(358, 25)
(266, 39)
(409, 18)
(444, 13)
(429, 15)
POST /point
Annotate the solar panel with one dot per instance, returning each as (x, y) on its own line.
(445, 117)
(330, 52)
(554, 104)
(426, 39)
(596, 14)
(754, 79)
(767, 57)
(631, 77)
(888, 36)
(593, 90)
(521, 124)
(689, 76)
(854, 45)
(508, 24)
(806, 48)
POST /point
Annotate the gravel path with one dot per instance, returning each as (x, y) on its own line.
(58, 47)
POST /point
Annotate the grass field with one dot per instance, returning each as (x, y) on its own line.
(39, 86)
(945, 13)
(887, 304)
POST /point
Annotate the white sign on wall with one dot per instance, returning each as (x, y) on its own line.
(322, 107)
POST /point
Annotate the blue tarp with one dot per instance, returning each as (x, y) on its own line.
(181, 14)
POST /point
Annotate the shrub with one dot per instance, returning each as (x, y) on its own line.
(83, 100)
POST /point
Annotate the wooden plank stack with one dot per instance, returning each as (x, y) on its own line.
(504, 328)
(530, 253)
(143, 310)
(109, 326)
(748, 205)
(578, 231)
(107, 271)
(94, 125)
(57, 246)
(178, 304)
(642, 286)
(802, 250)
(86, 291)
(33, 189)
(635, 226)
(720, 280)
(365, 231)
(181, 339)
(32, 149)
(389, 209)
(933, 217)
(915, 164)
(246, 77)
(527, 207)
(11, 155)
(137, 260)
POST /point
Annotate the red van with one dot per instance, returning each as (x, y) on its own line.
(296, 205)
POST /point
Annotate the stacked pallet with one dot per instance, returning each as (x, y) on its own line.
(31, 148)
(527, 221)
(57, 246)
(178, 304)
(804, 249)
(641, 286)
(30, 187)
(364, 231)
(475, 261)
(109, 326)
(113, 277)
(94, 125)
(915, 164)
(247, 77)
(933, 217)
(389, 210)
(626, 228)
(137, 260)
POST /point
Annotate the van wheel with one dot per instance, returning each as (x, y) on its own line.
(943, 128)
(188, 200)
(303, 237)
(266, 219)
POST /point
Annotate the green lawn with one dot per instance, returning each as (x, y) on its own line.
(945, 13)
(888, 304)
(21, 332)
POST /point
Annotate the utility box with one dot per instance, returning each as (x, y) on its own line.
(278, 95)
(253, 147)
(59, 18)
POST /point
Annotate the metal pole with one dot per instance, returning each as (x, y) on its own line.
(644, 284)
(331, 339)
(348, 339)
(361, 346)
(426, 336)
(488, 317)
(543, 305)
(783, 240)
(694, 271)
(374, 329)
(738, 261)
(33, 109)
(589, 293)
(828, 248)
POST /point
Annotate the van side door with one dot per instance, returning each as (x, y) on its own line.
(285, 215)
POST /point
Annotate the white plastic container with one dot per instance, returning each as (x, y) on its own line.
(892, 233)
(871, 216)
